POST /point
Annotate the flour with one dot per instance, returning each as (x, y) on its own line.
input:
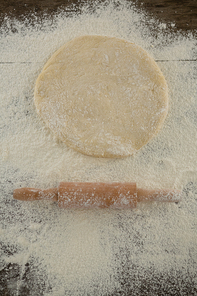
(60, 252)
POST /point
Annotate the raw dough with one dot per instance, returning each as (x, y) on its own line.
(102, 96)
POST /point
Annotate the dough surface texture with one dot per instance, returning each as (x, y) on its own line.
(102, 96)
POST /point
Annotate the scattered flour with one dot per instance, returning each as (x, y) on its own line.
(60, 252)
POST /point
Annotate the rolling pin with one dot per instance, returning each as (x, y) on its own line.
(97, 195)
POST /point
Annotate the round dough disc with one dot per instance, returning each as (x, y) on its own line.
(102, 96)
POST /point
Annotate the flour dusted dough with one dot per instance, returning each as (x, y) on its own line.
(102, 96)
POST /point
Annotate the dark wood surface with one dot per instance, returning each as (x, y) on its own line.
(184, 15)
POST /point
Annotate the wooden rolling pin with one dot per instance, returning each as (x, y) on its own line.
(97, 195)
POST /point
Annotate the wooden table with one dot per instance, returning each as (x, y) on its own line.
(183, 14)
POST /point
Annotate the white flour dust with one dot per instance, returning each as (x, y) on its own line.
(60, 252)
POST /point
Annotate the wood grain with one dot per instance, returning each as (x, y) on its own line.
(183, 14)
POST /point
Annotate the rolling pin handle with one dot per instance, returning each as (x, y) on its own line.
(164, 195)
(30, 194)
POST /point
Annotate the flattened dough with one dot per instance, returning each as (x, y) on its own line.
(102, 96)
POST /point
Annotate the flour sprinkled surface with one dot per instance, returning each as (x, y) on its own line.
(50, 251)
